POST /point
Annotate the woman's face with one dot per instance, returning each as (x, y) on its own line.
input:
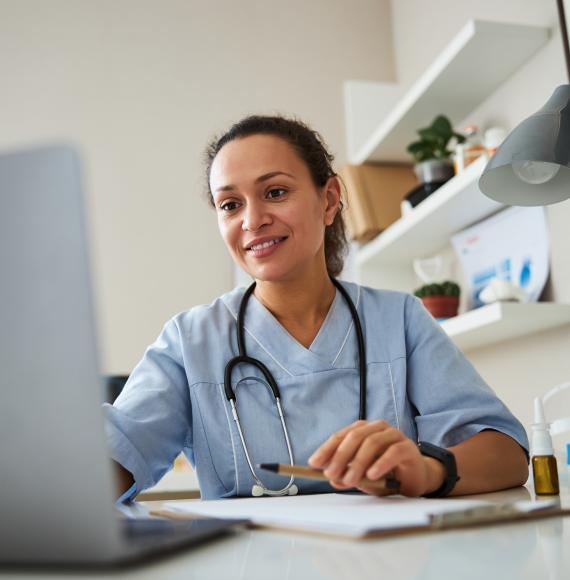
(271, 215)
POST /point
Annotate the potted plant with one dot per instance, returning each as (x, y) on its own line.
(441, 300)
(433, 160)
(431, 152)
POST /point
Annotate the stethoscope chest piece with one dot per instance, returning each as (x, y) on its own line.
(258, 491)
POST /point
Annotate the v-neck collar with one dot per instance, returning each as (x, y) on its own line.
(265, 337)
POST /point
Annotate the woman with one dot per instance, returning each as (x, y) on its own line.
(278, 203)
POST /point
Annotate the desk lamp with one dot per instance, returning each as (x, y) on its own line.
(532, 166)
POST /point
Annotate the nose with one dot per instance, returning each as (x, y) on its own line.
(255, 217)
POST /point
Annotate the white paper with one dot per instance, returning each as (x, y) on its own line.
(512, 245)
(344, 514)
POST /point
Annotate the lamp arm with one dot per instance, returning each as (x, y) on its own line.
(564, 33)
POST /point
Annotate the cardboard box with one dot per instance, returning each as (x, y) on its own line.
(373, 195)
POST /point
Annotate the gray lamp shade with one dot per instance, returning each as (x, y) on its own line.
(532, 166)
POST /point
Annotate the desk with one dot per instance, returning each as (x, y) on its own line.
(523, 551)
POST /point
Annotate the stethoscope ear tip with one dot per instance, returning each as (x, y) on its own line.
(293, 490)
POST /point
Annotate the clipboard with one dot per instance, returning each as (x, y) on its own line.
(479, 513)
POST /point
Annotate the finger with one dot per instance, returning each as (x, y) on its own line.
(338, 484)
(323, 454)
(372, 447)
(377, 491)
(392, 458)
(348, 447)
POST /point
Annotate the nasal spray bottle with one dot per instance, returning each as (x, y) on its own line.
(544, 469)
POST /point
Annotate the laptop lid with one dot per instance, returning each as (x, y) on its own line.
(56, 484)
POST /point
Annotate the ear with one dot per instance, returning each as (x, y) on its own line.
(332, 192)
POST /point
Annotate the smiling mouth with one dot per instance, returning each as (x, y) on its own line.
(262, 248)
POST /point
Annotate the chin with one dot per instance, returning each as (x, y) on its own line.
(269, 273)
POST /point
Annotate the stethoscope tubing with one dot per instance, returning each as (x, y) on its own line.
(361, 348)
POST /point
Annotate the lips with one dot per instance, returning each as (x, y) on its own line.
(267, 243)
(264, 246)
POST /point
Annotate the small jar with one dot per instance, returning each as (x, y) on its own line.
(470, 150)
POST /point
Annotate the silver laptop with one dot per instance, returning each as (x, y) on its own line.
(57, 489)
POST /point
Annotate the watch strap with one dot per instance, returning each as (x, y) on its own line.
(448, 459)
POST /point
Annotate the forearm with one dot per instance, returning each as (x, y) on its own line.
(489, 461)
(123, 477)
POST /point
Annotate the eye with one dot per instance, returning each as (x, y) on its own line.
(276, 192)
(229, 205)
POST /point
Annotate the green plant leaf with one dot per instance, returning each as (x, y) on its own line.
(416, 146)
(434, 140)
(421, 291)
(442, 126)
(430, 135)
(421, 151)
(450, 288)
(446, 288)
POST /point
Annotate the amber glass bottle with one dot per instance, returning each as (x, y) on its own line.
(545, 474)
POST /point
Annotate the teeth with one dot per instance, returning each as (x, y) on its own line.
(265, 244)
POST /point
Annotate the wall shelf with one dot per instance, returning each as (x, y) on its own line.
(428, 227)
(470, 69)
(504, 321)
(382, 120)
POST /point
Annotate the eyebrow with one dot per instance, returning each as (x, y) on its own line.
(260, 179)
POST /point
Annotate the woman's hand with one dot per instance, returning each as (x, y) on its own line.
(373, 449)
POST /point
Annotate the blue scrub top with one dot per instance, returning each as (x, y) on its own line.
(174, 400)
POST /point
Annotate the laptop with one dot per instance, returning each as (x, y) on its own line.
(57, 488)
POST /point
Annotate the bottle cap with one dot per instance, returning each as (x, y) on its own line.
(541, 439)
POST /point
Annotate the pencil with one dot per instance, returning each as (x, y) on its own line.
(385, 483)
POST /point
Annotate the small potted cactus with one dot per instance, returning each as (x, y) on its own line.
(441, 300)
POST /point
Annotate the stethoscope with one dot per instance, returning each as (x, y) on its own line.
(259, 487)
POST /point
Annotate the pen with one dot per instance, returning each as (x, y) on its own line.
(385, 483)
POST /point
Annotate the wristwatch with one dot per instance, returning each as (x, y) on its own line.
(448, 460)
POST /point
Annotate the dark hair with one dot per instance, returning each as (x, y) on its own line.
(311, 148)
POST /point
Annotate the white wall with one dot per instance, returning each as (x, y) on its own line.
(521, 369)
(141, 86)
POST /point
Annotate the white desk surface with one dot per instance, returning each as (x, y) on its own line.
(533, 550)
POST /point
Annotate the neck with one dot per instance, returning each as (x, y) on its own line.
(304, 300)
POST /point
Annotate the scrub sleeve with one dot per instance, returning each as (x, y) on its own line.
(451, 400)
(149, 423)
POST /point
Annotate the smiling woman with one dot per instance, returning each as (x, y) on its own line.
(296, 147)
(301, 367)
(279, 214)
